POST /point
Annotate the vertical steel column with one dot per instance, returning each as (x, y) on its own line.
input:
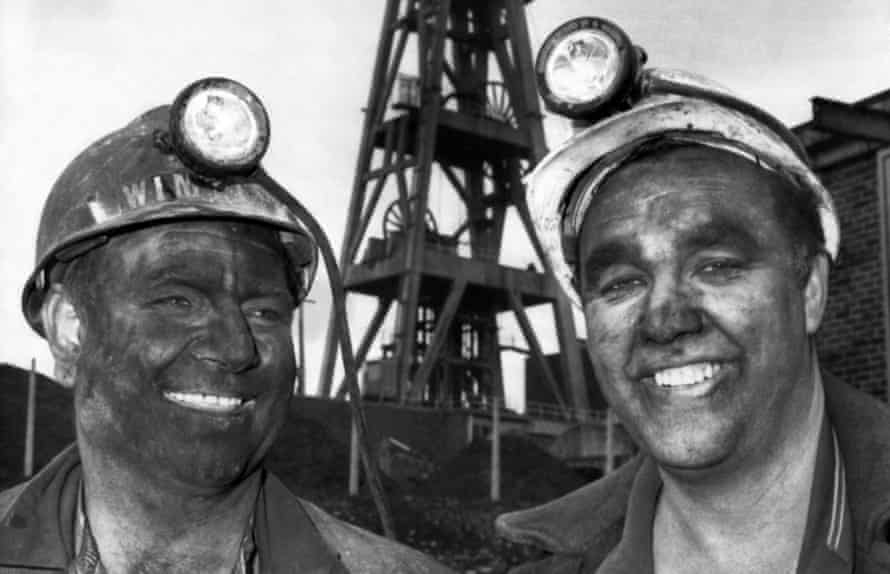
(356, 201)
(432, 23)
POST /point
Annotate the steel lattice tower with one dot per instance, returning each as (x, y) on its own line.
(452, 93)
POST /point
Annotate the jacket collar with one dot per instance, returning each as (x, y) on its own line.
(36, 517)
(590, 520)
(592, 516)
(286, 535)
(862, 425)
(37, 521)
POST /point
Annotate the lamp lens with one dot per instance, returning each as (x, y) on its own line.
(221, 126)
(583, 66)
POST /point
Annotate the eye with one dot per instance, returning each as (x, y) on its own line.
(620, 287)
(174, 301)
(269, 313)
(724, 269)
(266, 314)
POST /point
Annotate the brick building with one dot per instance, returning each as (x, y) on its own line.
(853, 341)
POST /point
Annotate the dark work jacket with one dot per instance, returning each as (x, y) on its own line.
(582, 527)
(292, 535)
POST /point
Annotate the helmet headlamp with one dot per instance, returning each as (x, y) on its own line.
(587, 68)
(219, 127)
(196, 159)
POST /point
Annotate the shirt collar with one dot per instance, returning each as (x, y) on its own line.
(87, 561)
(828, 539)
(38, 523)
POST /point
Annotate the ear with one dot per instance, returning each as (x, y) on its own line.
(62, 325)
(816, 293)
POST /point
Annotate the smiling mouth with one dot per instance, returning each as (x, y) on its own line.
(693, 381)
(687, 375)
(207, 402)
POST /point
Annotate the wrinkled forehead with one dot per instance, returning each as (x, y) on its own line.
(689, 176)
(692, 194)
(697, 167)
(202, 235)
(254, 247)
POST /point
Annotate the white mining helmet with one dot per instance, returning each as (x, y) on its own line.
(588, 70)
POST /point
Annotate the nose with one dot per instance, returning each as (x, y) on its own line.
(671, 313)
(228, 343)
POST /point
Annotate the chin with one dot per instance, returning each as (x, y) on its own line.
(690, 451)
(212, 469)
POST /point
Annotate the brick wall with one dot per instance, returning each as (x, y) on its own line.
(851, 341)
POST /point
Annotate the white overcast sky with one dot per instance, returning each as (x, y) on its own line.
(72, 70)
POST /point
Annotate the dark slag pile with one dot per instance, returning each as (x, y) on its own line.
(449, 515)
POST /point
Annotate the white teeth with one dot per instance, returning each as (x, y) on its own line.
(204, 401)
(686, 375)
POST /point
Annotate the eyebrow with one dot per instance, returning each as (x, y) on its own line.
(185, 273)
(716, 233)
(606, 255)
(172, 271)
(722, 232)
(264, 289)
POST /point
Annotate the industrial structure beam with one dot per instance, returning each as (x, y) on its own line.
(461, 122)
(439, 338)
(532, 340)
(361, 354)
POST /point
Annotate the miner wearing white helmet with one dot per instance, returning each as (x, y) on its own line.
(689, 228)
(169, 265)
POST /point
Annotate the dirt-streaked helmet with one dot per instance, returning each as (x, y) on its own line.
(197, 159)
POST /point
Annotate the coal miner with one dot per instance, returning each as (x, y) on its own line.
(169, 266)
(688, 227)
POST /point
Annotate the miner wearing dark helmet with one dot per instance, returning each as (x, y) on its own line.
(687, 226)
(168, 269)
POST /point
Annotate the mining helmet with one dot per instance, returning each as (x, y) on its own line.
(588, 70)
(198, 158)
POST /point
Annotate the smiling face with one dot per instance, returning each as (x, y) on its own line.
(698, 318)
(186, 362)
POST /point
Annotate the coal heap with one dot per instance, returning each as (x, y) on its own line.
(54, 421)
(307, 457)
(529, 474)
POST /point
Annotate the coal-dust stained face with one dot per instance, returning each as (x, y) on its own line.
(695, 314)
(187, 361)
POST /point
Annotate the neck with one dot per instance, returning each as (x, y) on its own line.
(142, 526)
(754, 510)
